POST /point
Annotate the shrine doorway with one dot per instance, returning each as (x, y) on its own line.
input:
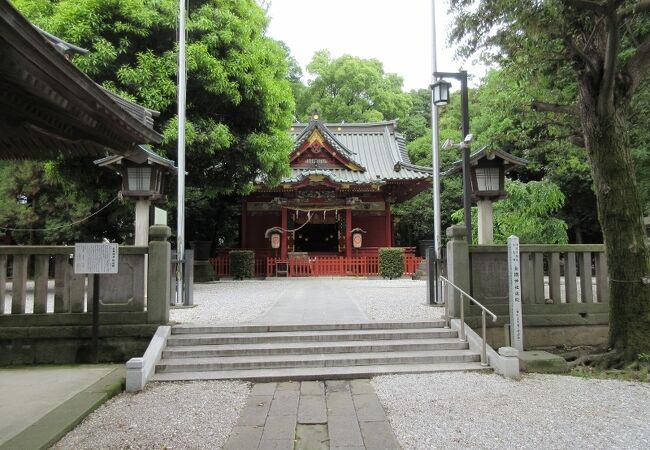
(319, 238)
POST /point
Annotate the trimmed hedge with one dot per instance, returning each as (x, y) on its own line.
(391, 262)
(242, 264)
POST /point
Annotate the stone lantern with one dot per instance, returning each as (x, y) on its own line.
(487, 171)
(144, 175)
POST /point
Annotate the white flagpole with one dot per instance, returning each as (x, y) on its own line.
(180, 226)
(436, 166)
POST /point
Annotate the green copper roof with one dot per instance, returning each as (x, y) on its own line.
(376, 147)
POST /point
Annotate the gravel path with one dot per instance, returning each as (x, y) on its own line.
(230, 302)
(394, 299)
(192, 415)
(469, 410)
(242, 301)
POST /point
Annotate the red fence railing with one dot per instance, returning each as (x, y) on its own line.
(316, 266)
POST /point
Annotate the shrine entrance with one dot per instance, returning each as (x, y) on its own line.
(317, 238)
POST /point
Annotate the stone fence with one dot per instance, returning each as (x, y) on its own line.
(46, 309)
(565, 292)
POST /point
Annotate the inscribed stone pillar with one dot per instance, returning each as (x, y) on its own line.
(457, 266)
(158, 280)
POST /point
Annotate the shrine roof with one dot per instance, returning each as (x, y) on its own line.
(377, 147)
(49, 108)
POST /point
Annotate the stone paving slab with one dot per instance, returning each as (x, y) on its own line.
(280, 428)
(368, 408)
(313, 415)
(264, 389)
(344, 431)
(312, 409)
(312, 437)
(378, 435)
(243, 437)
(312, 388)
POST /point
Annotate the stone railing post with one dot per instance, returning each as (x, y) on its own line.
(458, 270)
(158, 274)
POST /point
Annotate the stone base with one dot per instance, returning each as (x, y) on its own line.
(542, 362)
(72, 344)
(203, 271)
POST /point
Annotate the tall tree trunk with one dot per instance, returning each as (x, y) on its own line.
(621, 220)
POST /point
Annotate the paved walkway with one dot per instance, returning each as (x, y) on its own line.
(313, 415)
(309, 303)
(40, 404)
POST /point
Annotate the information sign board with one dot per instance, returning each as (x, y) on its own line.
(95, 258)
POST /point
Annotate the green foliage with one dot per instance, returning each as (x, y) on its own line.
(527, 212)
(42, 196)
(352, 89)
(239, 97)
(242, 264)
(391, 262)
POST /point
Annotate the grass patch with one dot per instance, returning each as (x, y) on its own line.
(628, 374)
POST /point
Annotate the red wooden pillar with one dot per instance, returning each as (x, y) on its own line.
(283, 241)
(388, 228)
(348, 233)
(244, 230)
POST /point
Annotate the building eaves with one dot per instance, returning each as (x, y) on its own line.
(52, 108)
(512, 160)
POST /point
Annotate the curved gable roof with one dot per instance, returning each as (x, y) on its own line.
(377, 147)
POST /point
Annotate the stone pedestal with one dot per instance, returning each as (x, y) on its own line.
(203, 271)
(542, 362)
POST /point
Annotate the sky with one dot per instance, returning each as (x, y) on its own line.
(397, 33)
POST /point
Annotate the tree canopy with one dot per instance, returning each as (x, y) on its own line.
(352, 89)
(597, 53)
(239, 98)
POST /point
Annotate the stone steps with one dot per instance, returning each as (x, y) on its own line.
(307, 336)
(331, 360)
(318, 373)
(299, 348)
(308, 352)
(387, 325)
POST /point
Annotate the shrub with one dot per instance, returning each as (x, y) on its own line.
(391, 262)
(242, 264)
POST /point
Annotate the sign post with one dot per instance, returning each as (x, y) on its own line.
(95, 259)
(514, 277)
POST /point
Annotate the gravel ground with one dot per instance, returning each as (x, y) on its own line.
(242, 301)
(394, 299)
(191, 415)
(229, 302)
(470, 410)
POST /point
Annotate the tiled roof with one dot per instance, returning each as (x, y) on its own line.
(377, 147)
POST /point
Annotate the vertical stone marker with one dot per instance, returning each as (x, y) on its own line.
(514, 277)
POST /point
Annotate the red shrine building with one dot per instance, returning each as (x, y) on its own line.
(344, 180)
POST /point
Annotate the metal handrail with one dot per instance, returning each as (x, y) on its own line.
(484, 310)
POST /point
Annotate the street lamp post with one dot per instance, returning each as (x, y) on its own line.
(441, 97)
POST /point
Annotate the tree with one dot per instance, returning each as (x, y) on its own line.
(527, 212)
(41, 196)
(239, 98)
(352, 89)
(502, 118)
(603, 46)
